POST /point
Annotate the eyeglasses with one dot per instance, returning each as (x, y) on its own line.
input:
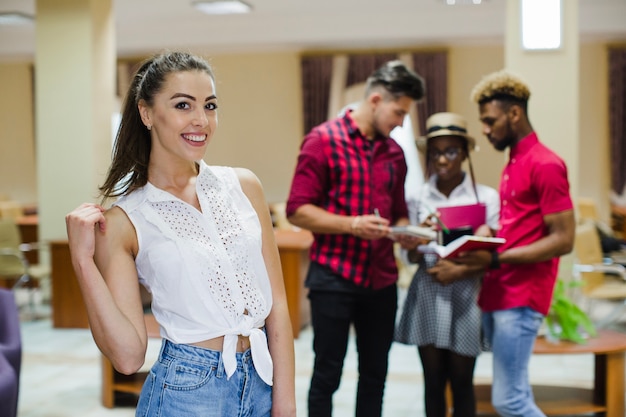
(450, 153)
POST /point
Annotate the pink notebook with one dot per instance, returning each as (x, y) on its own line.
(473, 215)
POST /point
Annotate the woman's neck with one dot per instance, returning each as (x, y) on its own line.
(446, 186)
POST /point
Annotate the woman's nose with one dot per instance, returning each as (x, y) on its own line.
(200, 118)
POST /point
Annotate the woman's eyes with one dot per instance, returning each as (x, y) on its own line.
(186, 106)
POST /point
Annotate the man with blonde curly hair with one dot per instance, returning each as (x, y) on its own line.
(537, 221)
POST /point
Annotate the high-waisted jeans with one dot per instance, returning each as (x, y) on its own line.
(190, 381)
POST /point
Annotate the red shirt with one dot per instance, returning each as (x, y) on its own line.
(344, 173)
(534, 184)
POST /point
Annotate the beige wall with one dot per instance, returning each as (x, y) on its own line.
(261, 118)
(17, 141)
(594, 176)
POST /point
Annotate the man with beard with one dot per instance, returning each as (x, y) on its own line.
(537, 221)
(348, 188)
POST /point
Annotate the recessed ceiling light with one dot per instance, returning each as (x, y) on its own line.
(461, 2)
(222, 6)
(15, 19)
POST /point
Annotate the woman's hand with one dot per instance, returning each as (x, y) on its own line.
(446, 272)
(81, 224)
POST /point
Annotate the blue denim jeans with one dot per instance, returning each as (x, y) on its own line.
(190, 381)
(512, 335)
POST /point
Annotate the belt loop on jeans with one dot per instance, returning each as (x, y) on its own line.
(164, 344)
(220, 372)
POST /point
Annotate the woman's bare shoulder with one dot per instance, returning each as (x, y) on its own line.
(118, 229)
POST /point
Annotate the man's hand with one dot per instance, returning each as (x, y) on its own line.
(370, 227)
(475, 259)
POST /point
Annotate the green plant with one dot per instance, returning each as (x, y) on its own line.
(565, 320)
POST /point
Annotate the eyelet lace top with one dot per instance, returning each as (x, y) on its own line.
(204, 268)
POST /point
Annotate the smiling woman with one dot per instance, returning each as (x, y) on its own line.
(200, 239)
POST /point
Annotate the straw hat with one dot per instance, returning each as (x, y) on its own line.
(445, 124)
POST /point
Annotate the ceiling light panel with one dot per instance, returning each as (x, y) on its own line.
(15, 19)
(221, 7)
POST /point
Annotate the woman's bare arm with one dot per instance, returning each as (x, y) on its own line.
(102, 247)
(278, 325)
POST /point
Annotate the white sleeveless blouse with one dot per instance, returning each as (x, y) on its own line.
(204, 269)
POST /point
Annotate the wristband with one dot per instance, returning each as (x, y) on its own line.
(495, 260)
(355, 223)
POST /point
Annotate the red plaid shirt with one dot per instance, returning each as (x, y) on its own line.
(342, 172)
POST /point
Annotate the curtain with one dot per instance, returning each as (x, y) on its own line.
(317, 74)
(433, 67)
(362, 66)
(316, 77)
(617, 117)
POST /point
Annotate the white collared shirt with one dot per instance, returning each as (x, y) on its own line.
(431, 198)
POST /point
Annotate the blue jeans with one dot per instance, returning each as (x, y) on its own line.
(190, 381)
(512, 335)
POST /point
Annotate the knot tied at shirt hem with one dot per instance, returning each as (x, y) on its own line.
(260, 354)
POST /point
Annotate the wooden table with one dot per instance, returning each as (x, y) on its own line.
(293, 247)
(607, 395)
(68, 307)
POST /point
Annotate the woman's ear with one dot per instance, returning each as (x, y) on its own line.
(144, 112)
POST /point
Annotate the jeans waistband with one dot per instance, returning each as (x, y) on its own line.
(199, 354)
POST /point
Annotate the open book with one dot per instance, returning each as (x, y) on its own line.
(415, 231)
(462, 244)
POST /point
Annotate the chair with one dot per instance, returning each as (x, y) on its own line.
(10, 354)
(587, 209)
(11, 209)
(602, 279)
(612, 246)
(13, 263)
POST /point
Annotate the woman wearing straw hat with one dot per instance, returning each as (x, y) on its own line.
(444, 320)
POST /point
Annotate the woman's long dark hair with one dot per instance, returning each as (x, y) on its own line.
(131, 153)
